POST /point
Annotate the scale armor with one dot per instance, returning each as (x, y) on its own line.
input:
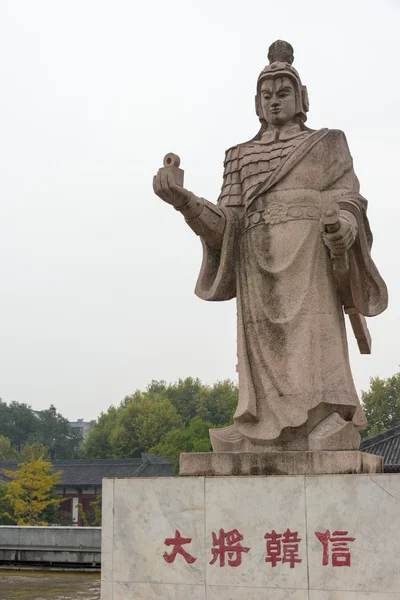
(249, 164)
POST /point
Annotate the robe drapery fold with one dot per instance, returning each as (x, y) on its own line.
(293, 360)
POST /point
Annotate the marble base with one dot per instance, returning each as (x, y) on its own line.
(323, 462)
(331, 537)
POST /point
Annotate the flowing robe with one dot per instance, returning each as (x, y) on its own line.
(293, 362)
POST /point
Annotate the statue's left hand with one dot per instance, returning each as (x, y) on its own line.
(341, 240)
(167, 189)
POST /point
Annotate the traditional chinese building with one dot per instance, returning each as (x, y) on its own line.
(386, 444)
(4, 478)
(82, 479)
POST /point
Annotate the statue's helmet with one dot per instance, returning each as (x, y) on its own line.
(280, 56)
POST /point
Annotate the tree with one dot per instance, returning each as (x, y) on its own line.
(7, 450)
(98, 443)
(194, 438)
(93, 518)
(142, 420)
(141, 424)
(54, 431)
(382, 405)
(5, 507)
(49, 429)
(17, 422)
(218, 403)
(183, 395)
(215, 404)
(32, 451)
(30, 492)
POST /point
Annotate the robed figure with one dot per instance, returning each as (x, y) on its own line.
(265, 244)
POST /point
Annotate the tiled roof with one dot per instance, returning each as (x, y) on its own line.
(92, 472)
(4, 478)
(385, 444)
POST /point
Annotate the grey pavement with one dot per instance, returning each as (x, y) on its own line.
(49, 585)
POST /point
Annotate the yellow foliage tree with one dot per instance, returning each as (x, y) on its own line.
(29, 492)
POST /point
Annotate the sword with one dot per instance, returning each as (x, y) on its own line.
(341, 271)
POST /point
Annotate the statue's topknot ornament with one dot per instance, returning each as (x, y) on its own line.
(281, 51)
(281, 56)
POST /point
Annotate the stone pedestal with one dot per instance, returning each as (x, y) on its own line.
(331, 537)
(218, 464)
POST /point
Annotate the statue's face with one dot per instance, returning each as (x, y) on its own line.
(278, 100)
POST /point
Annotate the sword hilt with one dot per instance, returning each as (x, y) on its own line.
(331, 217)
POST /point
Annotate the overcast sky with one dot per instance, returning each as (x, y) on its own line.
(96, 272)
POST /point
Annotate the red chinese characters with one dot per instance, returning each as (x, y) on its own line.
(280, 548)
(283, 548)
(177, 543)
(340, 551)
(228, 543)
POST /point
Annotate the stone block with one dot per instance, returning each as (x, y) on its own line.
(251, 538)
(255, 497)
(323, 462)
(144, 516)
(369, 509)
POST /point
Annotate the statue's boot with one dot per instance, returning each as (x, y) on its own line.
(334, 433)
(227, 439)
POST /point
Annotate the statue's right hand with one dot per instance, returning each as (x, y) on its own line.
(167, 189)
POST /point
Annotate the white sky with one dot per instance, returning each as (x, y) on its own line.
(97, 273)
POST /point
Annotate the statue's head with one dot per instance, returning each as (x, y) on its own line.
(280, 94)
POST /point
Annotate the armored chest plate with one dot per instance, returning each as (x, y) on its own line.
(249, 164)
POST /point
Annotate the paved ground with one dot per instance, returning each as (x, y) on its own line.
(48, 585)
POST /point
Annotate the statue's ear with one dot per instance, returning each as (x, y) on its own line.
(304, 93)
(258, 107)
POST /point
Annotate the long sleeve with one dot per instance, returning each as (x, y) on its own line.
(217, 278)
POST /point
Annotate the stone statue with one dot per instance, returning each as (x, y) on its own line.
(289, 238)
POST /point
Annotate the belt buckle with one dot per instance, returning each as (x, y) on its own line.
(275, 213)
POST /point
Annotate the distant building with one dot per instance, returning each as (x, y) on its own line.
(82, 479)
(82, 426)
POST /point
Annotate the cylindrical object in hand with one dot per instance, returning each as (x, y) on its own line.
(171, 165)
(171, 160)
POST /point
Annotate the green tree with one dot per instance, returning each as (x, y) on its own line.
(5, 507)
(50, 515)
(141, 424)
(194, 438)
(183, 395)
(55, 432)
(382, 405)
(217, 403)
(17, 422)
(31, 451)
(98, 443)
(29, 493)
(142, 419)
(7, 450)
(93, 518)
(48, 428)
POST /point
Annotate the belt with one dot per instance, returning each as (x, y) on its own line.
(276, 213)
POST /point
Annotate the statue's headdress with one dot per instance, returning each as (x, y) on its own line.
(280, 56)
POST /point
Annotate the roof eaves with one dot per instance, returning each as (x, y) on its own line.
(380, 437)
